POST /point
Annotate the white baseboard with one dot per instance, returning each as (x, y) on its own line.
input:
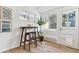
(50, 39)
(53, 40)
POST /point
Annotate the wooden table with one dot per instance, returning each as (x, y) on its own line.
(24, 30)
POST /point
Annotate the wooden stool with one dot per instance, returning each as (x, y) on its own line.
(27, 34)
(31, 36)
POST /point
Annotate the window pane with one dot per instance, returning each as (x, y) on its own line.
(53, 22)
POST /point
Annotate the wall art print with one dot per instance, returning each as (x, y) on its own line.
(6, 26)
(5, 19)
(6, 13)
(68, 19)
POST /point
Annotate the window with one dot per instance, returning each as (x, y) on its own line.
(53, 22)
(68, 20)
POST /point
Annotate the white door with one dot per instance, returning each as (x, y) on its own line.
(67, 27)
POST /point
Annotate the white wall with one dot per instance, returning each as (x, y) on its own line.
(9, 40)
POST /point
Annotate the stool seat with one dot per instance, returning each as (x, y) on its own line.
(27, 33)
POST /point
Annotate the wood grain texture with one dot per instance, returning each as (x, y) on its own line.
(45, 47)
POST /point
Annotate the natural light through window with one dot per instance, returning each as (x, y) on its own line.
(46, 25)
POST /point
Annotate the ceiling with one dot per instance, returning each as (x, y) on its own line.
(46, 8)
(39, 9)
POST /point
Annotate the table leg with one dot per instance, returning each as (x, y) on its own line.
(21, 36)
(37, 32)
(34, 29)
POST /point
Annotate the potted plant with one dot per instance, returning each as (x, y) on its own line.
(40, 23)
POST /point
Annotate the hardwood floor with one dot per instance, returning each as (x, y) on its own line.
(45, 47)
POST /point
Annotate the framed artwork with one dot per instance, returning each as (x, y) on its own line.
(31, 17)
(23, 15)
(5, 13)
(6, 26)
(5, 19)
(68, 19)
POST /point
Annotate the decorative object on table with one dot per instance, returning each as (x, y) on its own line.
(5, 19)
(40, 22)
(68, 19)
(29, 25)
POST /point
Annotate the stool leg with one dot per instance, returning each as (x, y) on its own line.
(29, 42)
(24, 41)
(21, 36)
(29, 45)
(35, 41)
(24, 45)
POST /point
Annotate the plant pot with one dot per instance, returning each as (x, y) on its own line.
(41, 38)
